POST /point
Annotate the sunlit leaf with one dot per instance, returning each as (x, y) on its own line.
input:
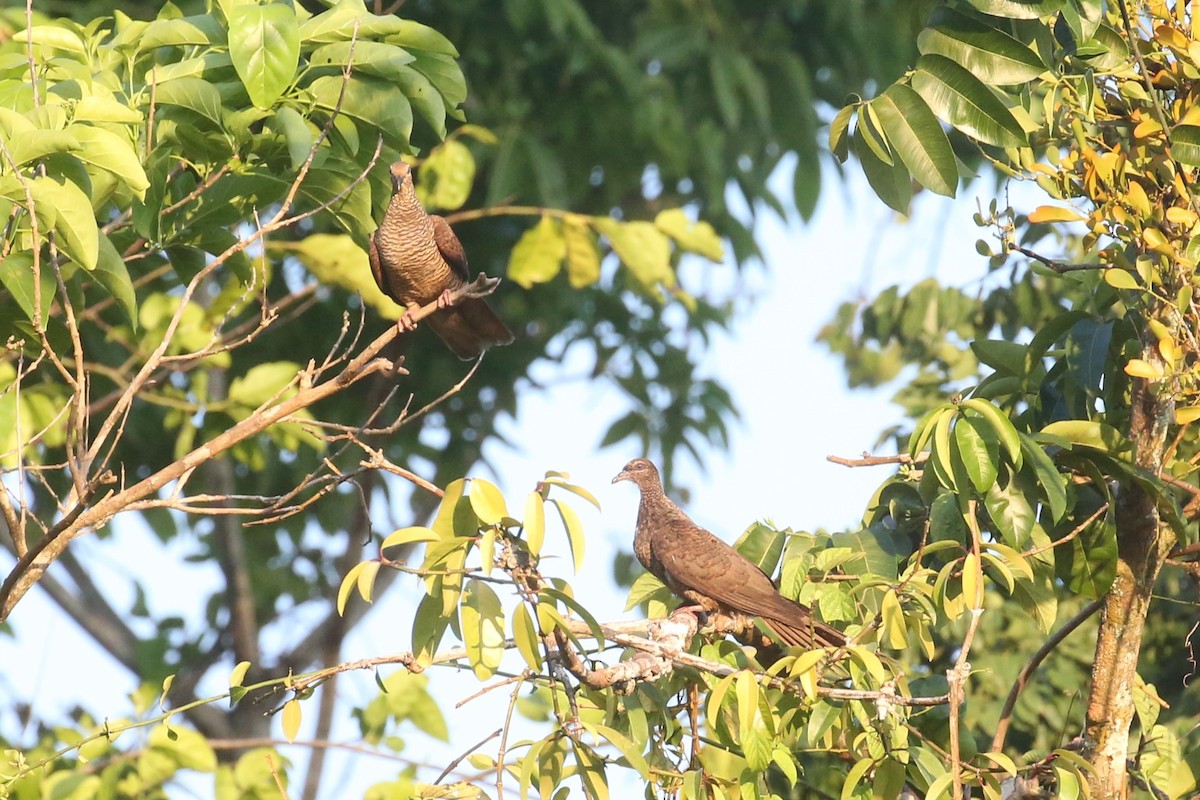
(962, 100)
(574, 530)
(482, 621)
(526, 638)
(538, 254)
(291, 719)
(488, 501)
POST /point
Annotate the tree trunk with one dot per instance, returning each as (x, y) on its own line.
(1143, 543)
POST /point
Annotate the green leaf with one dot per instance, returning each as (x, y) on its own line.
(113, 275)
(629, 749)
(1002, 355)
(574, 529)
(193, 94)
(1010, 510)
(855, 776)
(1162, 756)
(202, 29)
(988, 53)
(891, 182)
(1089, 433)
(960, 99)
(645, 588)
(74, 222)
(583, 254)
(1093, 557)
(999, 424)
(488, 501)
(534, 521)
(376, 104)
(1011, 558)
(762, 546)
(106, 150)
(1185, 144)
(979, 449)
(376, 58)
(1051, 481)
(695, 237)
(526, 637)
(264, 42)
(264, 383)
(430, 621)
(296, 132)
(642, 248)
(914, 132)
(538, 254)
(573, 604)
(839, 142)
(37, 143)
(482, 621)
(455, 516)
(1019, 9)
(16, 275)
(889, 779)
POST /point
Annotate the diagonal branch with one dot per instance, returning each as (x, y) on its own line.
(33, 565)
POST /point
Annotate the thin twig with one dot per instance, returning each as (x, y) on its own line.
(868, 460)
(453, 764)
(1061, 267)
(1034, 662)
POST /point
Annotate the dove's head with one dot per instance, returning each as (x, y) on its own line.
(400, 172)
(641, 472)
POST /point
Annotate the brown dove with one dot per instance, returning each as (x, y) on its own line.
(701, 568)
(416, 259)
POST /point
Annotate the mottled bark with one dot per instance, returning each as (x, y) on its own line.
(1143, 543)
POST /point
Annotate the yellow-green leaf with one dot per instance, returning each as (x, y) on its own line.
(410, 535)
(642, 248)
(366, 579)
(970, 581)
(583, 254)
(70, 213)
(447, 176)
(560, 481)
(1187, 414)
(488, 501)
(526, 637)
(1138, 368)
(291, 719)
(487, 551)
(535, 522)
(631, 750)
(1120, 279)
(538, 254)
(1055, 214)
(574, 529)
(239, 674)
(895, 631)
(481, 616)
(695, 237)
(348, 584)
